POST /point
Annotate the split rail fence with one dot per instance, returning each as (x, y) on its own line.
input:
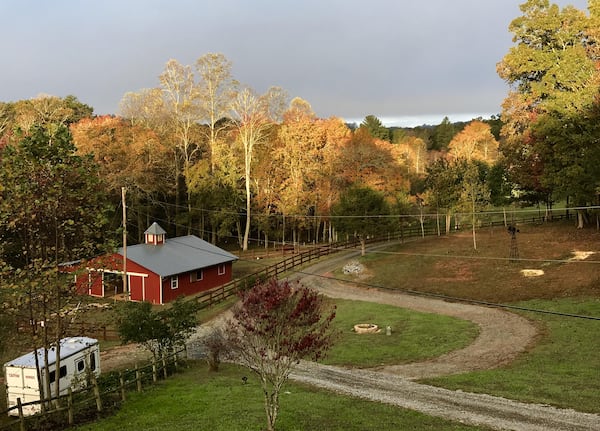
(431, 228)
(99, 397)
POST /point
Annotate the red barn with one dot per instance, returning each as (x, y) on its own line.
(161, 269)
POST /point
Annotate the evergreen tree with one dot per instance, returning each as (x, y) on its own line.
(376, 128)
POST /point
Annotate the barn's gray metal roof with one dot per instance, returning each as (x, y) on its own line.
(177, 255)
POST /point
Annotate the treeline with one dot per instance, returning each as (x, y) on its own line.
(201, 153)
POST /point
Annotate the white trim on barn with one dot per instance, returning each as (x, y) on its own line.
(114, 271)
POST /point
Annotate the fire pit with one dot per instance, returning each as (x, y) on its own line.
(366, 328)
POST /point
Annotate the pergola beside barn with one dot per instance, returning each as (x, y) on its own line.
(159, 270)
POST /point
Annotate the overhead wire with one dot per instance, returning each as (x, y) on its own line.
(429, 294)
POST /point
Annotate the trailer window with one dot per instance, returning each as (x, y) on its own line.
(80, 366)
(63, 373)
(92, 362)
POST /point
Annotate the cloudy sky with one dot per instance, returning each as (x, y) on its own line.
(408, 62)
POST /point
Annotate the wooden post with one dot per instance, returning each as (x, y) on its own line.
(138, 378)
(164, 363)
(70, 406)
(122, 386)
(22, 425)
(97, 394)
(154, 371)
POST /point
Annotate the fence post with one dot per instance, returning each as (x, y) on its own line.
(138, 378)
(22, 425)
(164, 363)
(122, 385)
(70, 406)
(97, 394)
(154, 371)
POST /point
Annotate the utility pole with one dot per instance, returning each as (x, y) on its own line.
(124, 203)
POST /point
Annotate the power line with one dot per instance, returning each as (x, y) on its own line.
(412, 254)
(442, 296)
(416, 215)
(429, 294)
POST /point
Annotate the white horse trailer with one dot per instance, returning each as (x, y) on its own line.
(79, 358)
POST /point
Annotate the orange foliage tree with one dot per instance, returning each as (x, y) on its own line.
(127, 155)
(475, 142)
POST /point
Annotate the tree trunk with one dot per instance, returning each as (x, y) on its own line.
(473, 222)
(271, 408)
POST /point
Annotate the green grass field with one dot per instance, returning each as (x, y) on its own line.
(561, 369)
(414, 336)
(200, 400)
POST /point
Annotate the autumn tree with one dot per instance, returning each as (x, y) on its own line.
(275, 325)
(361, 212)
(52, 211)
(474, 142)
(552, 71)
(254, 116)
(474, 193)
(365, 160)
(412, 151)
(49, 112)
(298, 160)
(216, 90)
(329, 183)
(128, 155)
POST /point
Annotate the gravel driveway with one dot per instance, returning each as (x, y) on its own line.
(503, 336)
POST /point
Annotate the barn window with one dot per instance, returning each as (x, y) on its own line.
(174, 282)
(196, 276)
(221, 269)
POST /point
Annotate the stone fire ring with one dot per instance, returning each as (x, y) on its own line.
(366, 328)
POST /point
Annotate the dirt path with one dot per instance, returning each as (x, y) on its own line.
(503, 336)
(474, 409)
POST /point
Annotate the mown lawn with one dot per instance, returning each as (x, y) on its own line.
(414, 336)
(200, 400)
(562, 369)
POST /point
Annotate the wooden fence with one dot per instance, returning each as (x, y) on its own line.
(93, 401)
(430, 228)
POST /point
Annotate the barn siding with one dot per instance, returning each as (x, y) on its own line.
(211, 278)
(143, 288)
